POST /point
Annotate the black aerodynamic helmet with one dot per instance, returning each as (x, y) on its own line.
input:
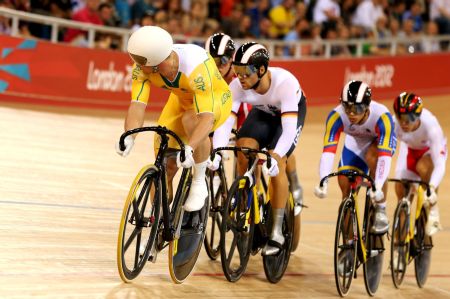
(220, 44)
(356, 93)
(252, 53)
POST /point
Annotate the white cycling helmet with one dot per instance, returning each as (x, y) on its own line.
(150, 45)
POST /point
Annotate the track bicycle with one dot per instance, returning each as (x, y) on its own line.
(356, 245)
(144, 232)
(218, 187)
(409, 241)
(247, 222)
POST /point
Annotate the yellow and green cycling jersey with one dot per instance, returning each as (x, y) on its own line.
(198, 85)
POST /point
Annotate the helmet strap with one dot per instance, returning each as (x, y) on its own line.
(229, 70)
(255, 86)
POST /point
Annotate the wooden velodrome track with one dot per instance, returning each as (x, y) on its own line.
(62, 189)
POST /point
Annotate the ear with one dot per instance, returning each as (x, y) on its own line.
(261, 71)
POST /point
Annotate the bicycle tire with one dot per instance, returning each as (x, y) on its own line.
(212, 236)
(297, 232)
(373, 267)
(145, 179)
(275, 265)
(185, 249)
(423, 244)
(348, 247)
(399, 243)
(236, 230)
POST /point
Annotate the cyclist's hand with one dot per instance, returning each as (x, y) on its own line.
(214, 164)
(321, 192)
(376, 196)
(273, 170)
(129, 142)
(432, 199)
(189, 158)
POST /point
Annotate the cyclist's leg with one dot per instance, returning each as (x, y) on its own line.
(381, 223)
(170, 118)
(294, 183)
(424, 168)
(350, 160)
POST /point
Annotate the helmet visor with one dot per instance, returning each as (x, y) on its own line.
(244, 71)
(140, 60)
(407, 117)
(221, 60)
(351, 108)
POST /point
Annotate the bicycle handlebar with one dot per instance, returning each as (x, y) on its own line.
(413, 182)
(349, 173)
(244, 150)
(159, 130)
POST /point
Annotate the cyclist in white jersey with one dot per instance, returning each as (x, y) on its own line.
(221, 47)
(423, 150)
(369, 145)
(275, 122)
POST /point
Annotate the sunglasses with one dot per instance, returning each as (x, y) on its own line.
(407, 117)
(244, 71)
(354, 108)
(221, 60)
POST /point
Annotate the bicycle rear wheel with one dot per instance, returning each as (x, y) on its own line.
(345, 247)
(423, 245)
(237, 229)
(400, 243)
(296, 233)
(373, 267)
(184, 249)
(219, 190)
(139, 223)
(275, 265)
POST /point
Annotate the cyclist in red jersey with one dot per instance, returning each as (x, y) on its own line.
(222, 48)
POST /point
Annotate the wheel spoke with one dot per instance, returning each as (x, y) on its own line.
(232, 248)
(138, 245)
(131, 238)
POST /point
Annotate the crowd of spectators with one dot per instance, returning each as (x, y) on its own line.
(284, 20)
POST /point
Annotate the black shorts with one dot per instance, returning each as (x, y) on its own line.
(266, 128)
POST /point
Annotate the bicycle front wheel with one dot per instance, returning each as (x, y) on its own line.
(345, 247)
(219, 191)
(237, 230)
(400, 243)
(423, 245)
(139, 223)
(373, 267)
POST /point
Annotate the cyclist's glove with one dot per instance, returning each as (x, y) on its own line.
(378, 195)
(432, 199)
(273, 170)
(321, 192)
(214, 164)
(189, 158)
(129, 142)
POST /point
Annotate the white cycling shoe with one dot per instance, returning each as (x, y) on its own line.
(197, 196)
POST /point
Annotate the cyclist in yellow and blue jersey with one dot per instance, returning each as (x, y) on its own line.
(199, 101)
(369, 145)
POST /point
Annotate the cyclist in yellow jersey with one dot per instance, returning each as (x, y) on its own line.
(199, 102)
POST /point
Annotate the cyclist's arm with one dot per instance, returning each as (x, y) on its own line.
(386, 147)
(333, 130)
(135, 116)
(437, 150)
(291, 94)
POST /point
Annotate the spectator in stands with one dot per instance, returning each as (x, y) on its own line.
(440, 13)
(140, 8)
(107, 14)
(257, 10)
(301, 25)
(264, 29)
(410, 47)
(5, 23)
(283, 18)
(146, 20)
(367, 13)
(326, 11)
(88, 14)
(193, 23)
(229, 23)
(123, 10)
(415, 14)
(430, 46)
